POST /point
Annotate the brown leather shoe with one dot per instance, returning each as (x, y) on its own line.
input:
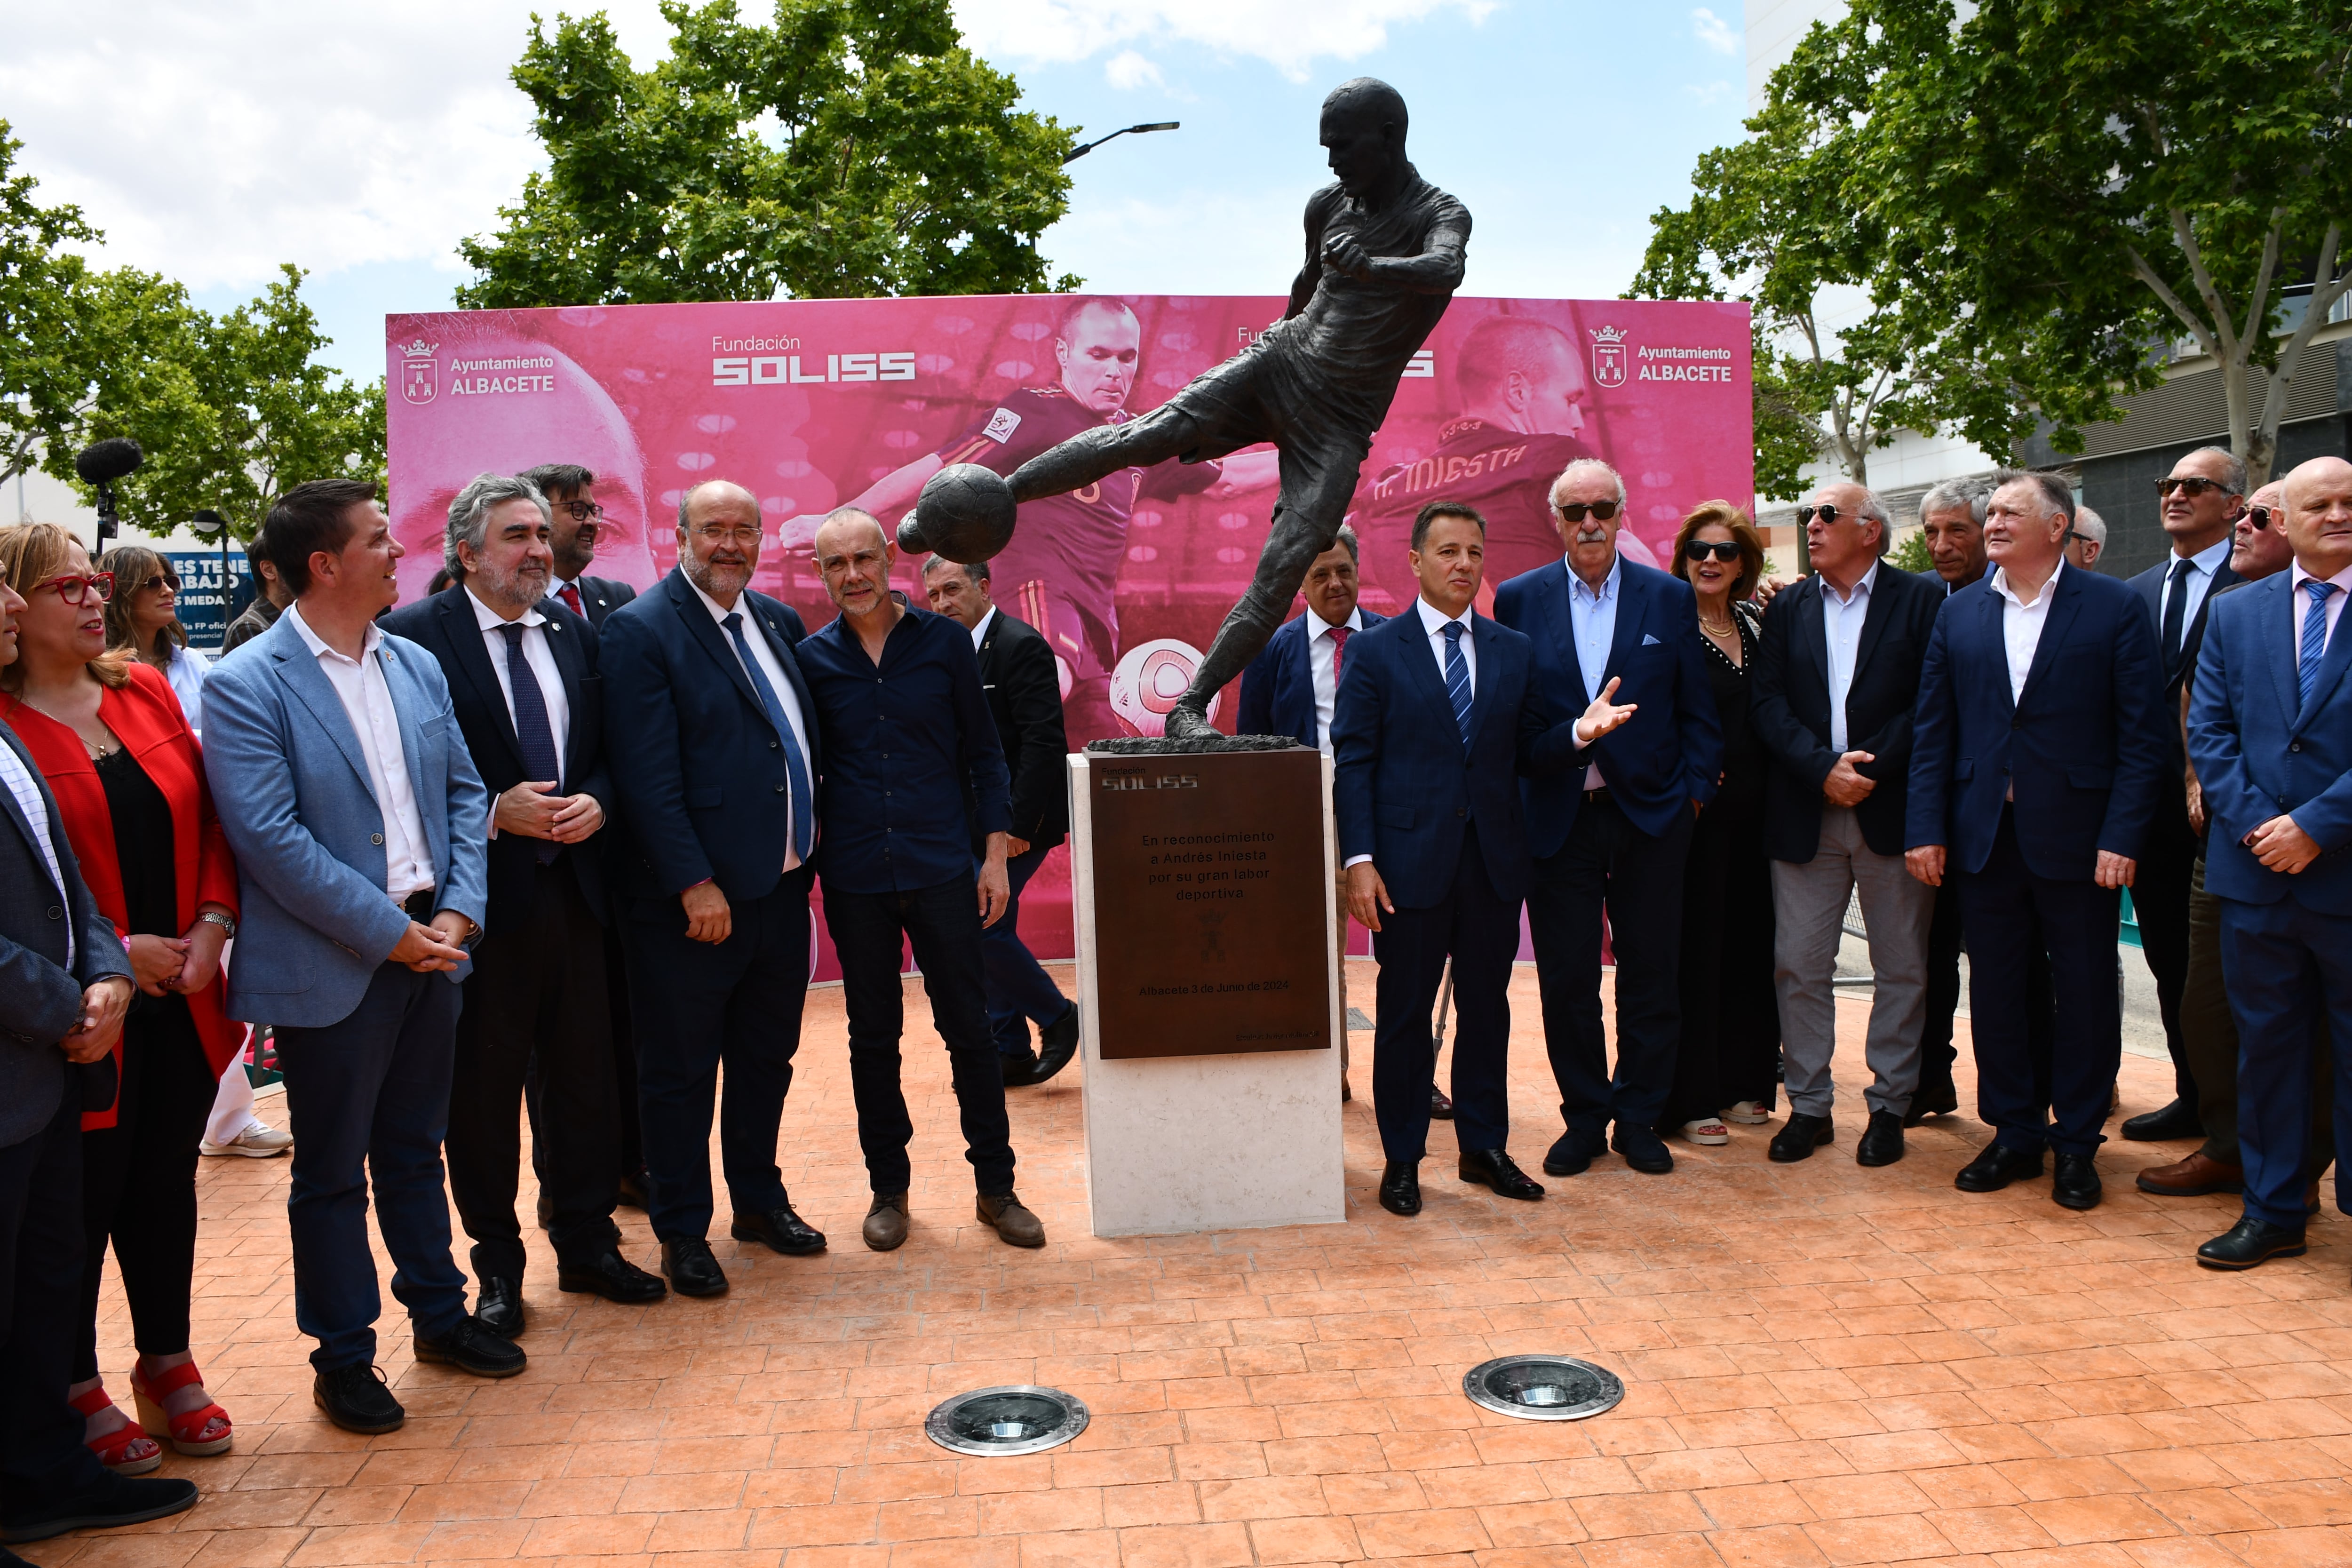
(2192, 1178)
(1013, 1220)
(885, 1222)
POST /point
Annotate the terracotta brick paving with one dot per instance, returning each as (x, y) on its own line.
(1824, 1365)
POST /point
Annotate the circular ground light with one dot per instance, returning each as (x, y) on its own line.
(1543, 1387)
(1018, 1418)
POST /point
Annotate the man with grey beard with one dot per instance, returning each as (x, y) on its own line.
(522, 683)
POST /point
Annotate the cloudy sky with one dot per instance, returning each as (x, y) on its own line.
(361, 139)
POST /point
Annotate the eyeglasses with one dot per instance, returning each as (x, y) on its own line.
(2258, 516)
(73, 590)
(160, 579)
(1827, 514)
(1574, 511)
(1699, 549)
(2192, 485)
(743, 538)
(580, 510)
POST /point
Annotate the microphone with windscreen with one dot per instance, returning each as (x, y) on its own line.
(99, 465)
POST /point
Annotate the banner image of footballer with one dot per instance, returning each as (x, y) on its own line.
(813, 404)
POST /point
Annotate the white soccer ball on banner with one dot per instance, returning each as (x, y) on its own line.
(1150, 676)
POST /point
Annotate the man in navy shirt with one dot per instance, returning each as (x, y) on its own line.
(906, 727)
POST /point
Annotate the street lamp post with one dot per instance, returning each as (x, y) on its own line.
(1086, 147)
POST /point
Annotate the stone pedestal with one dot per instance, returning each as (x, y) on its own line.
(1204, 907)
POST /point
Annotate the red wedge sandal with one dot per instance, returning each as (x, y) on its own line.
(127, 1451)
(201, 1432)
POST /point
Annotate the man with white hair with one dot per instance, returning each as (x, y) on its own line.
(2087, 539)
(1610, 837)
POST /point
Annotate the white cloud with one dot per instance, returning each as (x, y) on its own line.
(1289, 37)
(1127, 71)
(1715, 32)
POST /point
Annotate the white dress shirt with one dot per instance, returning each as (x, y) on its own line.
(2197, 584)
(1593, 622)
(755, 638)
(541, 660)
(1324, 666)
(367, 701)
(1842, 622)
(19, 779)
(186, 673)
(2021, 624)
(979, 630)
(2301, 601)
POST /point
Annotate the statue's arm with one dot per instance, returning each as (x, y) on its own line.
(1302, 289)
(1436, 271)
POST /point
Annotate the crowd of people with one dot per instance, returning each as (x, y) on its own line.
(555, 843)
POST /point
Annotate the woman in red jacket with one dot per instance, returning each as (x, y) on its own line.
(109, 738)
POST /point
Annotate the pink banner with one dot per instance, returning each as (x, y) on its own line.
(813, 404)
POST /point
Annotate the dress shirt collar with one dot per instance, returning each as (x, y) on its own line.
(719, 612)
(979, 632)
(1577, 585)
(1354, 623)
(372, 640)
(2208, 560)
(489, 620)
(1434, 621)
(1861, 589)
(2299, 577)
(1998, 581)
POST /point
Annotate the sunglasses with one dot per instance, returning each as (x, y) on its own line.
(1699, 549)
(73, 590)
(1574, 511)
(2258, 516)
(160, 579)
(1827, 514)
(2192, 487)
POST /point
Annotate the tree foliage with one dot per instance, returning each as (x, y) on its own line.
(849, 148)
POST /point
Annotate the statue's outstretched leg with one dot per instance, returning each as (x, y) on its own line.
(1086, 456)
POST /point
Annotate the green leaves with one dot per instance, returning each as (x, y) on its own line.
(849, 148)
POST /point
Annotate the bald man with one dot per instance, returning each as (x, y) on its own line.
(2270, 732)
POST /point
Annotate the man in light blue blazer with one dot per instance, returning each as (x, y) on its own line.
(360, 829)
(2270, 732)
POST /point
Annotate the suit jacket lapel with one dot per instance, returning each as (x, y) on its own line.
(1483, 638)
(1813, 636)
(1993, 611)
(1873, 626)
(1563, 623)
(300, 672)
(1626, 635)
(2061, 614)
(705, 631)
(2276, 648)
(455, 612)
(570, 664)
(8, 805)
(1421, 670)
(2331, 673)
(402, 687)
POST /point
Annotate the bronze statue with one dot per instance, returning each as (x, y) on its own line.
(1384, 254)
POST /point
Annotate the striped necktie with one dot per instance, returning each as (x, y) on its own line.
(2315, 636)
(1457, 681)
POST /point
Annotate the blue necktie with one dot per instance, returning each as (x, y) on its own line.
(531, 728)
(2176, 615)
(1457, 681)
(2315, 636)
(803, 814)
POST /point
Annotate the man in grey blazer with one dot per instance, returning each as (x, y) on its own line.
(63, 988)
(361, 830)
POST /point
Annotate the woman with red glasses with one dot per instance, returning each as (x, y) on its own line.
(119, 755)
(143, 616)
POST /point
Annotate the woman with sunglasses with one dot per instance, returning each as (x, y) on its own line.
(144, 617)
(1731, 1022)
(122, 762)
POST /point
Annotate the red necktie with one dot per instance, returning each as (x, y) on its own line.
(570, 596)
(1338, 647)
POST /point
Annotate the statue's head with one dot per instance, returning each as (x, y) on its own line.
(1363, 128)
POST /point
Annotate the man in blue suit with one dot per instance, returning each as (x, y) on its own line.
(2035, 756)
(713, 749)
(1434, 723)
(361, 832)
(2270, 731)
(1292, 688)
(1612, 835)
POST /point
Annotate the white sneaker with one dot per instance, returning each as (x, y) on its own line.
(1748, 1114)
(260, 1141)
(1706, 1130)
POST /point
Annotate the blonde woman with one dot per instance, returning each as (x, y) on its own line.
(144, 617)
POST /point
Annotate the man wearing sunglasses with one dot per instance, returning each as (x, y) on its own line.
(1610, 836)
(2202, 498)
(1836, 674)
(579, 523)
(2087, 539)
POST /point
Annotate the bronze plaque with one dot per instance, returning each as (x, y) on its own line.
(1210, 876)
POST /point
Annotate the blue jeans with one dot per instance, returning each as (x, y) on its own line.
(1020, 992)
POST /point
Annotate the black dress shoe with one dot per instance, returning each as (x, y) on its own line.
(1401, 1188)
(1440, 1107)
(356, 1399)
(470, 1347)
(1572, 1155)
(1494, 1168)
(1882, 1141)
(610, 1276)
(779, 1230)
(2075, 1183)
(692, 1270)
(635, 1190)
(1057, 1043)
(1016, 1070)
(114, 1500)
(1995, 1167)
(1644, 1149)
(497, 1306)
(2249, 1242)
(2179, 1119)
(1800, 1138)
(1932, 1099)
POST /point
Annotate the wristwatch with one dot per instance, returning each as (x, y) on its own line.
(227, 924)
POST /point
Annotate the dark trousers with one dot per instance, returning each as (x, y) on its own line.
(1730, 1041)
(870, 932)
(629, 1136)
(2210, 1035)
(2000, 906)
(696, 1004)
(1020, 992)
(2159, 898)
(369, 1101)
(139, 1181)
(40, 1295)
(537, 993)
(1936, 1051)
(1609, 864)
(1479, 930)
(2290, 975)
